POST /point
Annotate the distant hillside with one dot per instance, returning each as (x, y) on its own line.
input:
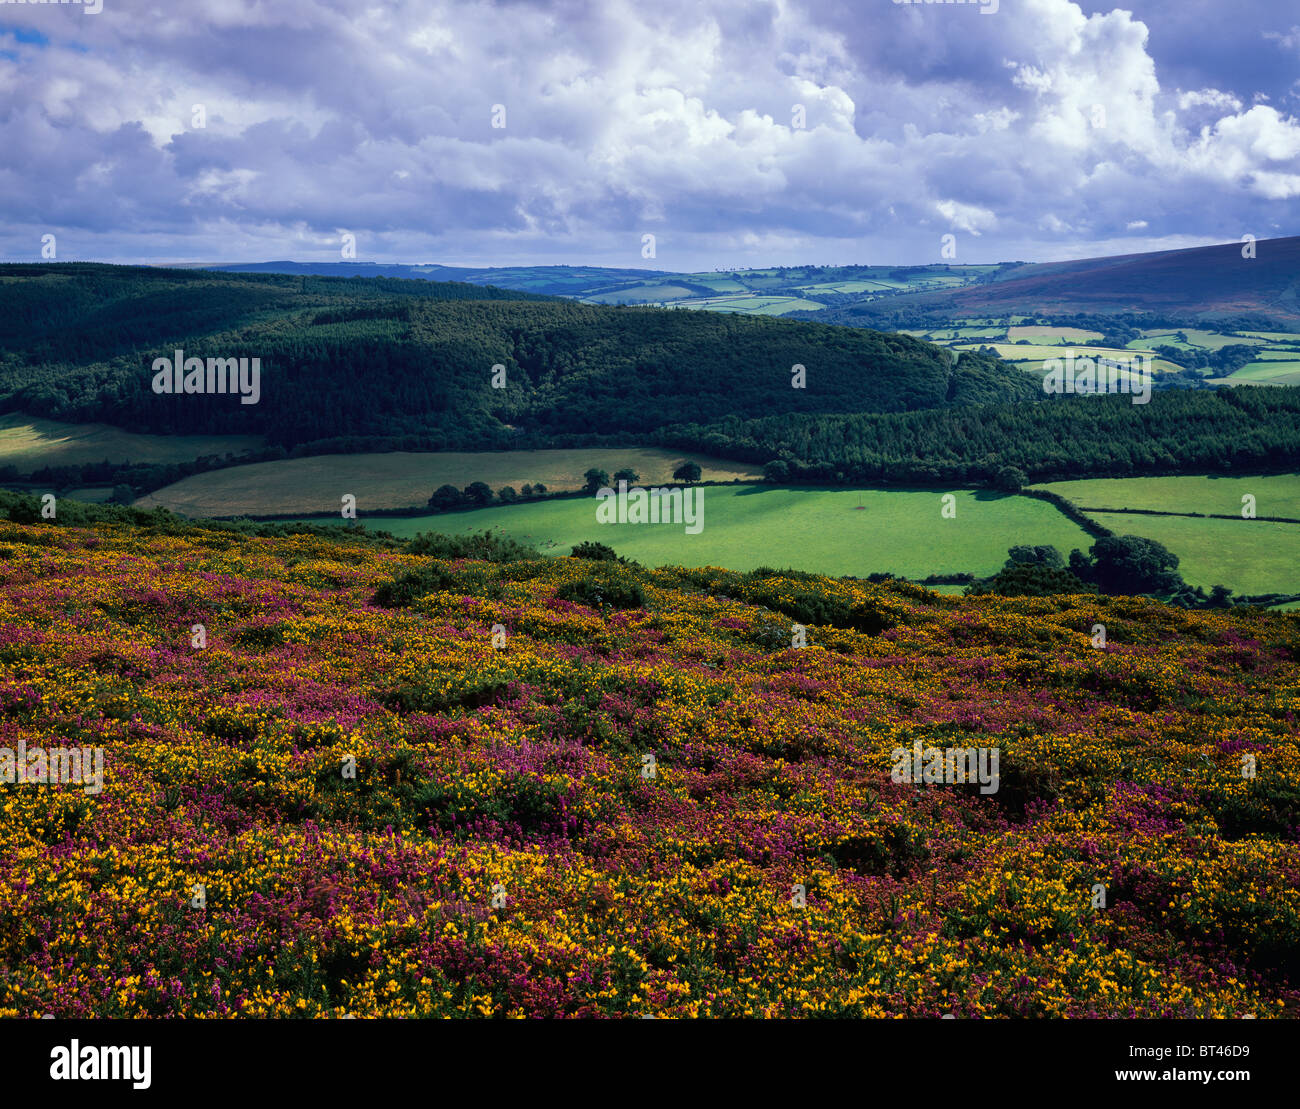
(774, 291)
(375, 357)
(1203, 283)
(555, 280)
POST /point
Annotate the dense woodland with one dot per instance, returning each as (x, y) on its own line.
(1221, 430)
(367, 364)
(385, 358)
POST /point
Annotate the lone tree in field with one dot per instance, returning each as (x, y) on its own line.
(595, 480)
(626, 474)
(688, 472)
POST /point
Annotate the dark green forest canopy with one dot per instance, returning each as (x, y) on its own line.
(380, 363)
(384, 357)
(1221, 430)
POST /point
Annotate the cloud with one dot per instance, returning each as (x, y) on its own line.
(1209, 98)
(813, 130)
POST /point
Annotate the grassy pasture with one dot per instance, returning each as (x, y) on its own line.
(1275, 495)
(807, 528)
(640, 294)
(1248, 556)
(1059, 336)
(1264, 373)
(1197, 337)
(756, 304)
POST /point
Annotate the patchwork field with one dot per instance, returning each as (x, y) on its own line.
(803, 528)
(30, 444)
(1032, 357)
(401, 479)
(1009, 336)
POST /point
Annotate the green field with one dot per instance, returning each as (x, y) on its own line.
(756, 304)
(1160, 341)
(1275, 495)
(807, 528)
(30, 444)
(1059, 336)
(1248, 556)
(1199, 337)
(640, 294)
(1264, 373)
(400, 479)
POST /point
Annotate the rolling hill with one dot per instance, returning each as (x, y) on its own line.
(366, 358)
(1203, 283)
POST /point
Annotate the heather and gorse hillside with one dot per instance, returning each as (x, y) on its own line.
(344, 778)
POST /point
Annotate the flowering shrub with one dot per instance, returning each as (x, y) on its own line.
(338, 807)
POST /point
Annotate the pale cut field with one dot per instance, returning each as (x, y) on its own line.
(402, 479)
(1015, 352)
(31, 443)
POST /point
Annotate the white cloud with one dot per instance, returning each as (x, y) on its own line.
(622, 117)
(965, 217)
(1209, 98)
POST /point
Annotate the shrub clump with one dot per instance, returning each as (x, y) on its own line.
(480, 547)
(604, 589)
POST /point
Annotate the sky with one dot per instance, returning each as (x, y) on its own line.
(747, 133)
